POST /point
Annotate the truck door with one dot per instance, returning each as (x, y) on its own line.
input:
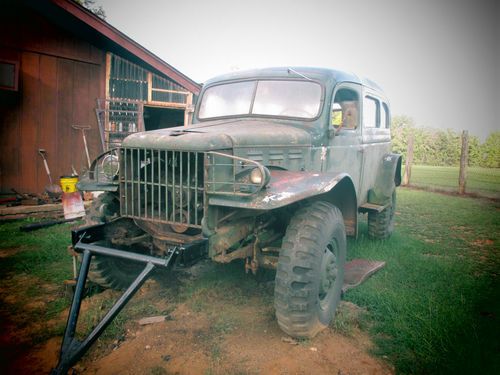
(376, 138)
(344, 153)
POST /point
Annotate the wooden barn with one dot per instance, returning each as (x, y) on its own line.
(62, 68)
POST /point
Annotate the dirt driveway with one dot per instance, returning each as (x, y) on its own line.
(215, 324)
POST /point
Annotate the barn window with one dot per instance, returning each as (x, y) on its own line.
(9, 75)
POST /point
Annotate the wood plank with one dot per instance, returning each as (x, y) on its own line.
(47, 132)
(81, 103)
(188, 112)
(150, 86)
(96, 90)
(31, 107)
(167, 104)
(464, 159)
(108, 72)
(65, 85)
(171, 91)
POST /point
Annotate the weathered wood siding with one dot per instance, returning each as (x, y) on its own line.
(60, 78)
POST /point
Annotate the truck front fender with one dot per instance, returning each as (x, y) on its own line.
(95, 180)
(284, 188)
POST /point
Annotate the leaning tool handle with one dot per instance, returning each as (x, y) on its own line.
(83, 128)
(47, 169)
(86, 147)
(46, 166)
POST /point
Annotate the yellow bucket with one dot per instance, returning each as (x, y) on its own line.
(68, 183)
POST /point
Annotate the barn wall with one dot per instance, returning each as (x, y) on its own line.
(60, 78)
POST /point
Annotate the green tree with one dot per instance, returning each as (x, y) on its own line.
(491, 151)
(475, 155)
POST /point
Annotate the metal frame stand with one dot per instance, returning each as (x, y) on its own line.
(72, 349)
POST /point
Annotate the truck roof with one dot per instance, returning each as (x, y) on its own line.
(328, 76)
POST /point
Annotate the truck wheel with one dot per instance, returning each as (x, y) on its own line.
(310, 270)
(103, 209)
(381, 224)
(113, 273)
(110, 272)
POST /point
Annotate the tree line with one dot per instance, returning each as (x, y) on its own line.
(442, 147)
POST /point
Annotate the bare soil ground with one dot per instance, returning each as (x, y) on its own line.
(205, 333)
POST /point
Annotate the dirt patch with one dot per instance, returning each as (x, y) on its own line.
(9, 251)
(194, 343)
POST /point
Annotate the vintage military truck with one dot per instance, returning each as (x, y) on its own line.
(274, 170)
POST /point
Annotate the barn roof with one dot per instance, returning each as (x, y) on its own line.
(77, 19)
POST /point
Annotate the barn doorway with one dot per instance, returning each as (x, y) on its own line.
(161, 118)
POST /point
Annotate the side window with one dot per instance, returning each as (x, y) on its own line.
(370, 112)
(384, 116)
(345, 109)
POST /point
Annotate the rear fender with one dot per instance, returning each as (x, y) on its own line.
(389, 176)
(288, 187)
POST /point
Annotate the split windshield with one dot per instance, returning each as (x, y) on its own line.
(269, 98)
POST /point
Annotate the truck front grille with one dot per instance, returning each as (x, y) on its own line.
(162, 186)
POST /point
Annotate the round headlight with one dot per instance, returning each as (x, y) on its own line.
(256, 176)
(110, 165)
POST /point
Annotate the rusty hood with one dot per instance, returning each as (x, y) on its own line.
(220, 135)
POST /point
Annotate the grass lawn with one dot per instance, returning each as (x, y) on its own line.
(434, 308)
(482, 181)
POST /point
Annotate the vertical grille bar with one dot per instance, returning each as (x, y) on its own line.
(124, 202)
(173, 186)
(160, 205)
(166, 185)
(189, 188)
(139, 182)
(152, 185)
(132, 174)
(145, 183)
(181, 190)
(196, 188)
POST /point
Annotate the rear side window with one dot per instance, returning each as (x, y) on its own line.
(384, 116)
(370, 112)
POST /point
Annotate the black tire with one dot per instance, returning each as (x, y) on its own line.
(314, 239)
(113, 273)
(104, 208)
(381, 224)
(109, 272)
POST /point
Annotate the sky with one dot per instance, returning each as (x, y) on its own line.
(438, 61)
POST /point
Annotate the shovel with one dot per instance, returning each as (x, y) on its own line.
(53, 190)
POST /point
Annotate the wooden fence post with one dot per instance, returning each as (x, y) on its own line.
(409, 161)
(464, 158)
